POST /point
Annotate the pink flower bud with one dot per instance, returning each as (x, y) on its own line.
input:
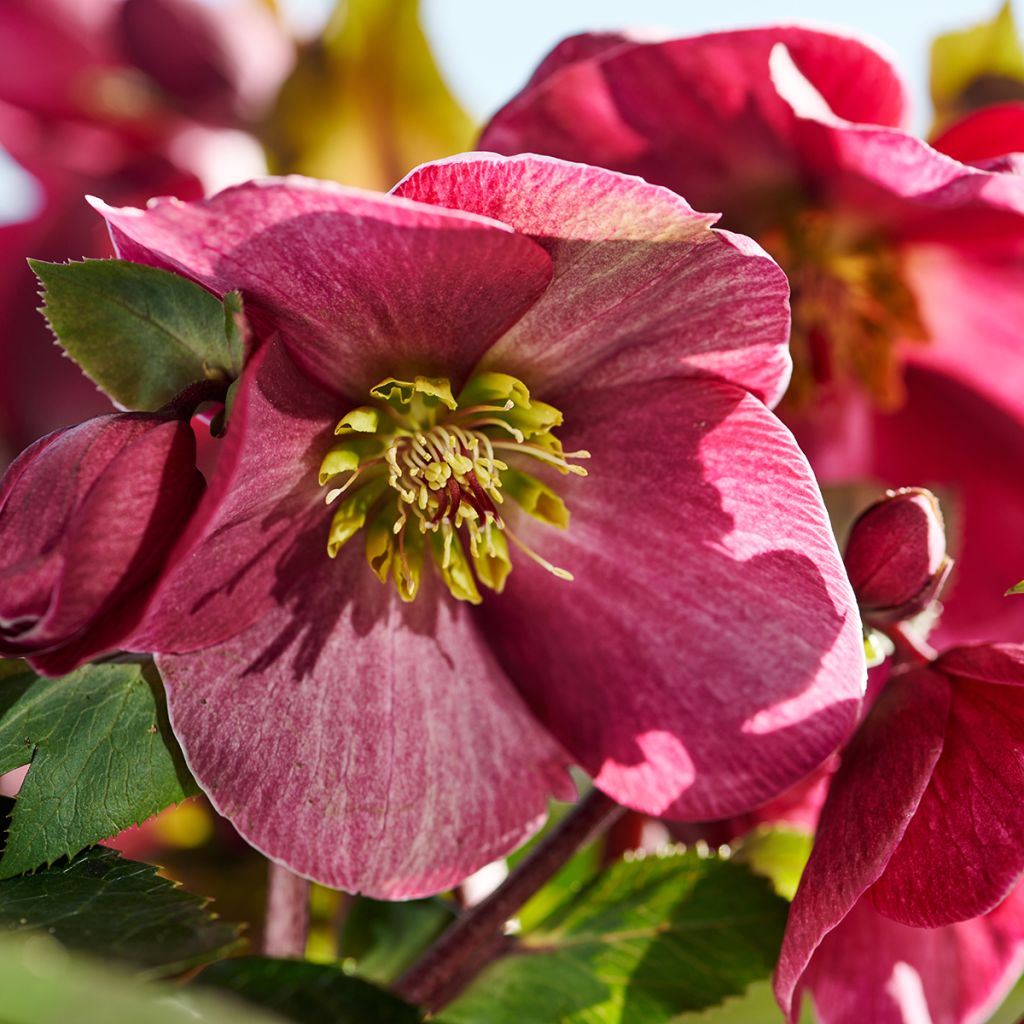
(87, 516)
(896, 556)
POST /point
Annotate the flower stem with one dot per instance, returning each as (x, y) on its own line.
(909, 649)
(444, 970)
(287, 921)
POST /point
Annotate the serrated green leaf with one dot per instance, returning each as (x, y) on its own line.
(308, 993)
(111, 907)
(366, 102)
(102, 758)
(643, 943)
(42, 983)
(778, 853)
(383, 939)
(140, 333)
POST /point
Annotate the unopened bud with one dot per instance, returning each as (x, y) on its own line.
(896, 556)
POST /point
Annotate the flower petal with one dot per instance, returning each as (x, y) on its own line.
(708, 654)
(964, 848)
(642, 288)
(725, 140)
(371, 745)
(984, 135)
(872, 797)
(224, 572)
(873, 969)
(361, 286)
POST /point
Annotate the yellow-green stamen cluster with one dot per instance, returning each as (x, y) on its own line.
(424, 471)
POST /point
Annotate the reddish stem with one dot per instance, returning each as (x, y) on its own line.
(444, 970)
(287, 922)
(909, 649)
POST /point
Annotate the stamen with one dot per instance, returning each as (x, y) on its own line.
(562, 574)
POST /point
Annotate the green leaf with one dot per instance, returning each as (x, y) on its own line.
(42, 983)
(308, 993)
(366, 102)
(777, 852)
(1017, 588)
(647, 940)
(141, 334)
(382, 939)
(102, 753)
(111, 907)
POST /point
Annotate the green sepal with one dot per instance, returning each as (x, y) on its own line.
(402, 392)
(492, 388)
(457, 574)
(351, 514)
(347, 456)
(492, 569)
(1017, 588)
(535, 497)
(364, 420)
(142, 335)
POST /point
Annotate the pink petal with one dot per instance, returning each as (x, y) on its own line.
(884, 774)
(964, 848)
(360, 286)
(642, 288)
(708, 654)
(906, 189)
(370, 745)
(984, 135)
(224, 572)
(726, 136)
(873, 969)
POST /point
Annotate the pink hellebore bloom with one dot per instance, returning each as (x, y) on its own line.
(907, 267)
(87, 516)
(904, 903)
(689, 637)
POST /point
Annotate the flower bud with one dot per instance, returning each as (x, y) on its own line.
(896, 556)
(87, 517)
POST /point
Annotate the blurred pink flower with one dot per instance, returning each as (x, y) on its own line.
(126, 99)
(907, 267)
(393, 739)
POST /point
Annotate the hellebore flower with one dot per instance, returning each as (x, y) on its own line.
(125, 99)
(561, 524)
(922, 829)
(88, 515)
(906, 266)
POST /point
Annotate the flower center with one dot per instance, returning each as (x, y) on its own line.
(429, 473)
(852, 309)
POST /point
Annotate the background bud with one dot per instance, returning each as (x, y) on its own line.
(87, 516)
(896, 556)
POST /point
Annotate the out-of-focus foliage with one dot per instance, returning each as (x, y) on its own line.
(308, 993)
(976, 67)
(105, 905)
(366, 102)
(43, 984)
